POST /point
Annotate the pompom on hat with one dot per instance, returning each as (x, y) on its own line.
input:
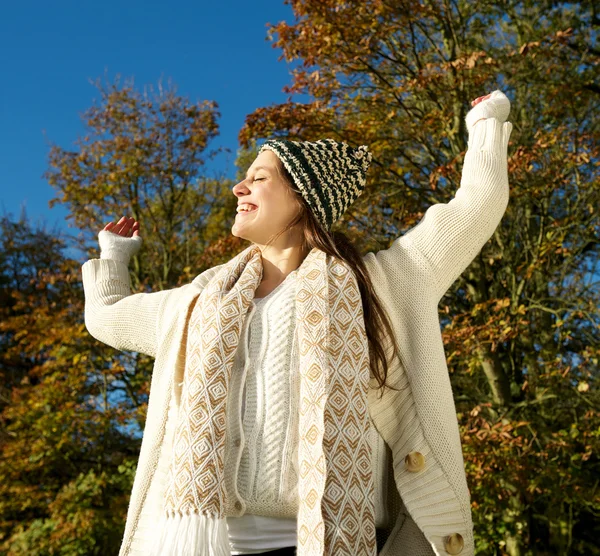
(330, 174)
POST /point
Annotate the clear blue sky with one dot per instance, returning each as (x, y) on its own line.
(49, 52)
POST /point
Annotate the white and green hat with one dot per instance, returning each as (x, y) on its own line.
(330, 174)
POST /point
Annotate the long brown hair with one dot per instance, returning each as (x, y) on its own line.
(337, 244)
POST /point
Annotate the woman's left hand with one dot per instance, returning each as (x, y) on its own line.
(494, 105)
(479, 99)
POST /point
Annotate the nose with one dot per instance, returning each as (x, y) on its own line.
(240, 189)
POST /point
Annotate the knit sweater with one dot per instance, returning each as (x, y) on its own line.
(267, 444)
(262, 421)
(262, 437)
(429, 510)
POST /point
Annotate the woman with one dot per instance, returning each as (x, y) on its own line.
(268, 429)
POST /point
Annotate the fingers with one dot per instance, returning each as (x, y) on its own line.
(480, 99)
(126, 227)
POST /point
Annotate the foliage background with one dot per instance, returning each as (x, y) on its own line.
(520, 326)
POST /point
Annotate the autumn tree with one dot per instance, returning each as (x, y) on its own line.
(144, 154)
(522, 324)
(67, 453)
(73, 409)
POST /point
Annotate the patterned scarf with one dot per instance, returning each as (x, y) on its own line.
(336, 515)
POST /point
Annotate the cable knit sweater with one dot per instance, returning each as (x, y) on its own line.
(429, 510)
(261, 469)
(262, 422)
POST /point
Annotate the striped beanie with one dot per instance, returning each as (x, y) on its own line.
(329, 174)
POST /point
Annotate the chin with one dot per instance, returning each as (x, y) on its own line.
(236, 233)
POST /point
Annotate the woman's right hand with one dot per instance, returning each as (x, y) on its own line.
(125, 227)
(120, 241)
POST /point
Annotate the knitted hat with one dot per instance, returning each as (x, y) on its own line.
(329, 174)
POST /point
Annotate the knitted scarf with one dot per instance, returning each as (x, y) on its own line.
(336, 515)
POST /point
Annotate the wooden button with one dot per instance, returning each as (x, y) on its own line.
(238, 506)
(237, 442)
(454, 543)
(414, 461)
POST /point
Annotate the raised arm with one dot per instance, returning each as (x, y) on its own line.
(451, 234)
(112, 314)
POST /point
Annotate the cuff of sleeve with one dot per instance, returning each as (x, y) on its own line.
(114, 255)
(96, 271)
(117, 248)
(497, 106)
(490, 135)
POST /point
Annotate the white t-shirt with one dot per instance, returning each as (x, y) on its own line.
(251, 534)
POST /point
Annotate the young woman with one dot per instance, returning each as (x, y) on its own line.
(300, 401)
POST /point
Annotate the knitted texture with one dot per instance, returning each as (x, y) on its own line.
(264, 394)
(334, 452)
(410, 277)
(336, 514)
(497, 106)
(265, 386)
(329, 174)
(269, 378)
(116, 247)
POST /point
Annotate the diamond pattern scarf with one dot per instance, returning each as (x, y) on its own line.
(336, 514)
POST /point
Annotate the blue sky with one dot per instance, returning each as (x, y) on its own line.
(51, 50)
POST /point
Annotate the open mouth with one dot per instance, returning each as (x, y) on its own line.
(246, 208)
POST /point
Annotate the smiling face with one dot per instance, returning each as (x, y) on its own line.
(271, 202)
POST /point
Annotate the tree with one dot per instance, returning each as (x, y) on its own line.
(72, 409)
(143, 154)
(66, 456)
(522, 324)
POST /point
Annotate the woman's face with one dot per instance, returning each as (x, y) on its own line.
(271, 201)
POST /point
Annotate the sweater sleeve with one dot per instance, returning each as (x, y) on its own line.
(450, 235)
(114, 315)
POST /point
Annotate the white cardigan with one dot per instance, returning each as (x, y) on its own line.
(418, 422)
